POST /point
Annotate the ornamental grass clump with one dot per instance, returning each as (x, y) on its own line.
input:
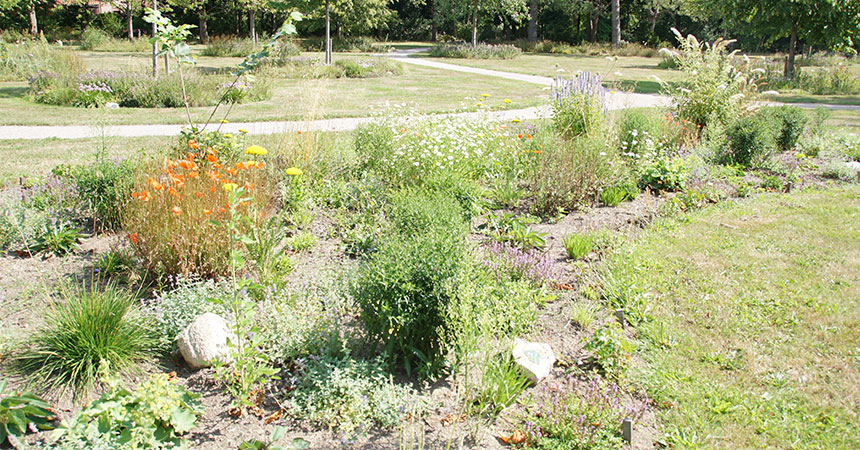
(89, 331)
(175, 214)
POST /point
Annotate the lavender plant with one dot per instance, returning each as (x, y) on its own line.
(579, 105)
(582, 414)
(508, 261)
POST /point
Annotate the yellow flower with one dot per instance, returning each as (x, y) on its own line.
(507, 100)
(516, 120)
(485, 95)
(243, 131)
(230, 187)
(223, 121)
(294, 171)
(256, 150)
(228, 136)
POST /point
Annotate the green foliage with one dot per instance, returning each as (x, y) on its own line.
(93, 38)
(715, 89)
(582, 314)
(514, 230)
(346, 394)
(57, 237)
(613, 195)
(502, 382)
(578, 245)
(403, 290)
(790, 122)
(271, 444)
(581, 113)
(19, 411)
(301, 324)
(752, 140)
(481, 51)
(27, 58)
(153, 416)
(115, 263)
(635, 129)
(173, 310)
(570, 174)
(301, 241)
(89, 329)
(610, 349)
(103, 187)
(663, 173)
(230, 46)
(19, 225)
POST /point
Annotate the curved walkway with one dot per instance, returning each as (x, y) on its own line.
(615, 100)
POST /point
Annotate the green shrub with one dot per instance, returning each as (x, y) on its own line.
(579, 106)
(153, 416)
(230, 46)
(610, 349)
(415, 211)
(173, 310)
(103, 187)
(301, 324)
(88, 330)
(751, 140)
(663, 173)
(638, 131)
(403, 290)
(570, 174)
(93, 38)
(578, 245)
(790, 121)
(21, 411)
(613, 195)
(346, 394)
(19, 225)
(481, 51)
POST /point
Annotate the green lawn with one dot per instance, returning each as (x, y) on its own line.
(423, 89)
(755, 336)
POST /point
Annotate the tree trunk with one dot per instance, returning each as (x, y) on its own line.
(204, 27)
(474, 23)
(616, 23)
(434, 30)
(129, 15)
(238, 21)
(327, 34)
(252, 24)
(592, 25)
(653, 13)
(792, 49)
(154, 45)
(34, 25)
(533, 20)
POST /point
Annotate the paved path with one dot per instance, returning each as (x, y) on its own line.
(616, 100)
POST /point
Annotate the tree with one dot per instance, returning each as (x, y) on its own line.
(825, 23)
(472, 10)
(200, 8)
(128, 7)
(616, 23)
(654, 8)
(30, 6)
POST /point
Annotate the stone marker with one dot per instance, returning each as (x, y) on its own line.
(205, 340)
(627, 431)
(534, 359)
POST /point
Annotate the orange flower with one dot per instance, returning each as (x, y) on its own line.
(243, 203)
(259, 164)
(230, 170)
(248, 187)
(192, 175)
(211, 158)
(155, 184)
(520, 136)
(199, 194)
(145, 196)
(192, 144)
(176, 210)
(528, 136)
(222, 209)
(186, 165)
(299, 132)
(170, 165)
(213, 175)
(178, 180)
(207, 211)
(133, 238)
(211, 188)
(191, 156)
(173, 192)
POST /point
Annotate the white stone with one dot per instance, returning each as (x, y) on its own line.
(204, 341)
(112, 105)
(853, 165)
(534, 359)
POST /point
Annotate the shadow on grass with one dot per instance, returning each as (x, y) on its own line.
(13, 91)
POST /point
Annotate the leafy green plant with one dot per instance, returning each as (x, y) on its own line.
(610, 349)
(582, 314)
(578, 245)
(19, 411)
(752, 140)
(790, 121)
(271, 444)
(663, 173)
(512, 229)
(172, 310)
(115, 262)
(579, 106)
(90, 328)
(155, 415)
(502, 382)
(58, 237)
(104, 187)
(613, 195)
(302, 241)
(346, 394)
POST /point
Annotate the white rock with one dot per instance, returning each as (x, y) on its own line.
(112, 105)
(534, 359)
(853, 165)
(205, 340)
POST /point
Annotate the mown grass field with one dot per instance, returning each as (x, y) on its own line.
(756, 307)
